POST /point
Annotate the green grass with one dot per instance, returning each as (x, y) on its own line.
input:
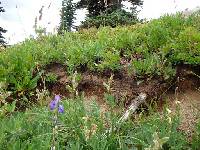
(81, 128)
(196, 137)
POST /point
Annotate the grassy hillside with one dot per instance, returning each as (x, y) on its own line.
(146, 51)
(83, 129)
(149, 49)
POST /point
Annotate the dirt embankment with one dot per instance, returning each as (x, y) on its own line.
(185, 88)
(122, 86)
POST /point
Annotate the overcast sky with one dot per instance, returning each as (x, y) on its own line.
(20, 15)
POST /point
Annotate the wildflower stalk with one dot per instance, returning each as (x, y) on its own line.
(55, 127)
(56, 107)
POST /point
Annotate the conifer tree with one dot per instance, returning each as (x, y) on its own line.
(96, 7)
(67, 16)
(108, 13)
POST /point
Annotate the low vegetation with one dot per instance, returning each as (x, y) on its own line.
(80, 128)
(146, 50)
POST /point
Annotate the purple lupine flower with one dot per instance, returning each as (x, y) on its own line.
(57, 98)
(53, 105)
(61, 109)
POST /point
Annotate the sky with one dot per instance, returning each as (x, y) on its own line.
(20, 15)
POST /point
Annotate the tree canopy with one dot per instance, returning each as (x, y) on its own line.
(67, 15)
(96, 7)
(108, 13)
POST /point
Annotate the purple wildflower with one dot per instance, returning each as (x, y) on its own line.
(60, 109)
(55, 104)
(57, 98)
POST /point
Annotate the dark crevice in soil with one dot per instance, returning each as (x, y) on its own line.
(187, 77)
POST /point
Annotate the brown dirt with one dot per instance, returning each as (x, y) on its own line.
(189, 105)
(123, 87)
(60, 70)
(62, 79)
(92, 85)
(127, 87)
(186, 91)
(187, 77)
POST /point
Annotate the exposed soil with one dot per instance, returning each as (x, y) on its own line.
(186, 95)
(189, 104)
(62, 79)
(123, 86)
(187, 77)
(126, 87)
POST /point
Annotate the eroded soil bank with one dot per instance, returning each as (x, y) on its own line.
(123, 85)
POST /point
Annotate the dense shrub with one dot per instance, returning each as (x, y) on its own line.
(161, 44)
